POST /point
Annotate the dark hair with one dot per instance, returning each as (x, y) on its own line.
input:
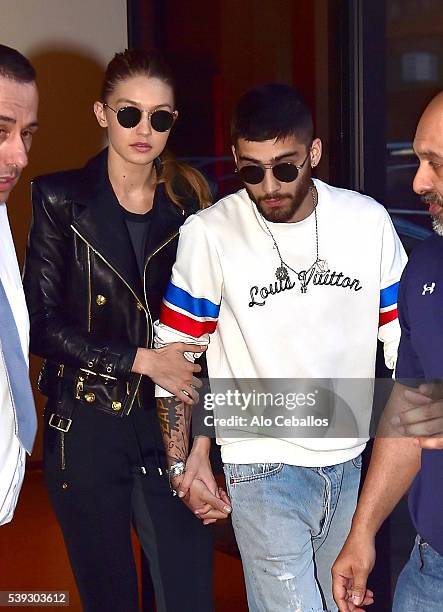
(15, 66)
(272, 111)
(135, 62)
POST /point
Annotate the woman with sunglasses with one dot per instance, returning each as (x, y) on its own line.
(100, 253)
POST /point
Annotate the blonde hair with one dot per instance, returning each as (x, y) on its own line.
(192, 181)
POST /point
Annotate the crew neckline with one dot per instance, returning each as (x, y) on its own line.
(285, 226)
(133, 216)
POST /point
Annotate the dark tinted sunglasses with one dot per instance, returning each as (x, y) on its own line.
(130, 116)
(286, 172)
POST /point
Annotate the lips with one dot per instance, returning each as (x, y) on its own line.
(435, 209)
(141, 147)
(434, 202)
(273, 201)
(6, 182)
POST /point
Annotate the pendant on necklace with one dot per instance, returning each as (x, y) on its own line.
(302, 278)
(281, 273)
(322, 265)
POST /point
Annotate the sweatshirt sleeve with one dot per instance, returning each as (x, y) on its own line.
(393, 261)
(191, 304)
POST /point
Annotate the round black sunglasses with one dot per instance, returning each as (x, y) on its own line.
(286, 172)
(130, 116)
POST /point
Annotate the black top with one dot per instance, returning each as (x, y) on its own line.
(138, 227)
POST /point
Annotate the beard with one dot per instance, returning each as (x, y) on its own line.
(437, 226)
(282, 214)
(437, 220)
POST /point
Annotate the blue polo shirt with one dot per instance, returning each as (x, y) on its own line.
(420, 304)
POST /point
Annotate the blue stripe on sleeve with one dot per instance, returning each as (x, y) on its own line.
(389, 296)
(199, 307)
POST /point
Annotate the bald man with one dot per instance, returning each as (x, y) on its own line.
(408, 451)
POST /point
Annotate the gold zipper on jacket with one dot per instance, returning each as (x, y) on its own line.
(150, 256)
(146, 309)
(107, 263)
(147, 314)
(89, 289)
(62, 450)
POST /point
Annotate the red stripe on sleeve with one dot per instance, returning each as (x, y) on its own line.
(387, 317)
(185, 324)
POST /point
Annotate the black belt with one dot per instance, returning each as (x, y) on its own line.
(76, 380)
(61, 419)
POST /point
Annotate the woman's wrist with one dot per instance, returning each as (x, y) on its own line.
(142, 361)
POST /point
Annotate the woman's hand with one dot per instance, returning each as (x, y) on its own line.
(169, 368)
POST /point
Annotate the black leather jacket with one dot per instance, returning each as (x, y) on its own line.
(89, 307)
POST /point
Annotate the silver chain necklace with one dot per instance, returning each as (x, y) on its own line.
(319, 265)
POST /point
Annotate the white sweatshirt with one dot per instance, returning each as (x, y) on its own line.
(224, 290)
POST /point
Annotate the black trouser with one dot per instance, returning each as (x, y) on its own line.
(97, 489)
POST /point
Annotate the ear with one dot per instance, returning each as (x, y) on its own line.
(100, 114)
(316, 151)
(234, 153)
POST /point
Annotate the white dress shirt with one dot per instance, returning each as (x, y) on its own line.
(12, 454)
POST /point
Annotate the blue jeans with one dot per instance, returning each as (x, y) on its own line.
(290, 524)
(420, 584)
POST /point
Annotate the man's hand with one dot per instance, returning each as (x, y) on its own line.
(169, 368)
(205, 505)
(198, 488)
(424, 417)
(350, 573)
(198, 466)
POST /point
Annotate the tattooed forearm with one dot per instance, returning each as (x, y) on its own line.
(175, 420)
(169, 413)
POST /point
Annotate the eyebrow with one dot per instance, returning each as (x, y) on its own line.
(134, 103)
(427, 153)
(6, 119)
(276, 158)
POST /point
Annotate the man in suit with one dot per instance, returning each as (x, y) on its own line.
(18, 424)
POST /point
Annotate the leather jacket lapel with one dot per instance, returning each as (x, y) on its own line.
(166, 220)
(100, 221)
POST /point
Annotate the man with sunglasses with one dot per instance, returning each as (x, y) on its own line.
(289, 281)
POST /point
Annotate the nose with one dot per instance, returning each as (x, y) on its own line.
(17, 154)
(270, 184)
(423, 182)
(144, 126)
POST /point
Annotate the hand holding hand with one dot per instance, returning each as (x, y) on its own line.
(198, 488)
